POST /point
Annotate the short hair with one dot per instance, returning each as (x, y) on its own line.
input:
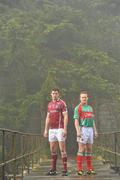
(55, 89)
(83, 92)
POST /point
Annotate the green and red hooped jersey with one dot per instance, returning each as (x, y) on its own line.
(85, 115)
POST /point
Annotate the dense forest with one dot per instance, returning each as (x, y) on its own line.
(70, 44)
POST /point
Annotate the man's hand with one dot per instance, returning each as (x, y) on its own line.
(95, 134)
(45, 134)
(65, 133)
(79, 134)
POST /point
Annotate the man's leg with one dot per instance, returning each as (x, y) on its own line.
(80, 157)
(62, 147)
(89, 156)
(81, 150)
(89, 150)
(89, 160)
(53, 149)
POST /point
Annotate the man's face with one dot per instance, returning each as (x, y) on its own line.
(83, 98)
(55, 95)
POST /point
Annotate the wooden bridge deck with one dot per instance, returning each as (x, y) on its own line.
(103, 172)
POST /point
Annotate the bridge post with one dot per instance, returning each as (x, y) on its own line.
(22, 151)
(3, 154)
(14, 150)
(115, 149)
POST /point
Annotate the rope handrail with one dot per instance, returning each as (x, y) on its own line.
(108, 146)
(107, 133)
(18, 151)
(18, 132)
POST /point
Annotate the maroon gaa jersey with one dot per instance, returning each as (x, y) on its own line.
(55, 110)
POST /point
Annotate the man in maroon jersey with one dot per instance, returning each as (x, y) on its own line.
(56, 130)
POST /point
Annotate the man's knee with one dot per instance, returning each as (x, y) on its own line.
(53, 150)
(89, 148)
(63, 153)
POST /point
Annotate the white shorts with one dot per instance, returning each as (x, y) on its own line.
(56, 135)
(87, 136)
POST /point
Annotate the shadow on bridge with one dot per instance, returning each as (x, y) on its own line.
(21, 157)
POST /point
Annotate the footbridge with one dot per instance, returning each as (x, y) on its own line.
(25, 156)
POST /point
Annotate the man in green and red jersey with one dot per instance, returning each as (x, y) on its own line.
(86, 130)
(56, 126)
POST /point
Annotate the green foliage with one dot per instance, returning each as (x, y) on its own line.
(70, 44)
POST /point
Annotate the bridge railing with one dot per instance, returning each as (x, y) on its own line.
(108, 146)
(18, 153)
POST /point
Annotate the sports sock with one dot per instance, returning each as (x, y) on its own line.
(54, 160)
(64, 160)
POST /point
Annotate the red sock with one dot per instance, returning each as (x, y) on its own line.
(54, 160)
(79, 162)
(88, 161)
(64, 160)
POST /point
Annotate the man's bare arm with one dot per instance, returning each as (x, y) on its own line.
(77, 127)
(95, 130)
(65, 115)
(46, 126)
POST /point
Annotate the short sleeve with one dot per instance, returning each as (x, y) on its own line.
(76, 115)
(63, 107)
(48, 109)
